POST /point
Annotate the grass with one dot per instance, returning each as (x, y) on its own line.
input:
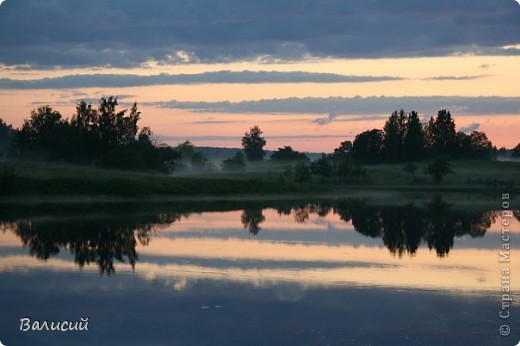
(260, 179)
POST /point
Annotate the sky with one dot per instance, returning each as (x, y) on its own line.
(310, 73)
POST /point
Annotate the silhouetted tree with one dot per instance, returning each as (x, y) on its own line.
(105, 137)
(394, 133)
(235, 163)
(253, 144)
(516, 151)
(476, 145)
(288, 154)
(368, 146)
(441, 134)
(186, 149)
(344, 149)
(43, 134)
(413, 141)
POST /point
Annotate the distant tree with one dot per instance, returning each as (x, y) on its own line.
(186, 150)
(253, 144)
(234, 163)
(394, 132)
(288, 154)
(438, 169)
(413, 141)
(516, 152)
(344, 149)
(368, 146)
(441, 134)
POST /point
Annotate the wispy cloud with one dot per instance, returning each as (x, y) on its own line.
(335, 106)
(325, 120)
(444, 78)
(219, 77)
(470, 128)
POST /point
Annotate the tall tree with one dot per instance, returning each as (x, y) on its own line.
(394, 131)
(413, 141)
(441, 134)
(253, 144)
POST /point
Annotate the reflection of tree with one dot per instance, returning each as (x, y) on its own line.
(404, 228)
(101, 241)
(301, 214)
(251, 219)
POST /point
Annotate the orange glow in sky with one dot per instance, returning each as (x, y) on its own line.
(464, 76)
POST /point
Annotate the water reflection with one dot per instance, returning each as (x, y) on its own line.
(103, 241)
(108, 239)
(251, 219)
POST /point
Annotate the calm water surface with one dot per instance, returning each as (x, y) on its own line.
(340, 272)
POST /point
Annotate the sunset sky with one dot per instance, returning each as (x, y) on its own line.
(310, 73)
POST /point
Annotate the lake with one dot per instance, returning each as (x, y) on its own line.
(326, 272)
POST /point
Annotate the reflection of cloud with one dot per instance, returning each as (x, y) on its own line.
(362, 267)
(470, 128)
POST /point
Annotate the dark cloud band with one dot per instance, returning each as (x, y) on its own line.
(334, 106)
(114, 33)
(247, 77)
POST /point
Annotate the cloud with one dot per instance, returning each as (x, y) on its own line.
(112, 33)
(325, 120)
(470, 128)
(356, 105)
(129, 80)
(443, 78)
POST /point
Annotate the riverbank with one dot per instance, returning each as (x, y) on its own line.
(42, 181)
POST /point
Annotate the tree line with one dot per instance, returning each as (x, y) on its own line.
(403, 139)
(102, 136)
(108, 137)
